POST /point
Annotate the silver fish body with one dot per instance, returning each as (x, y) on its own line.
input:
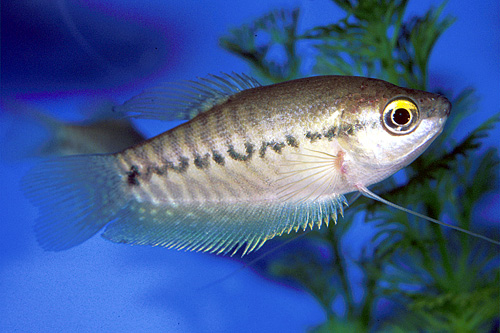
(251, 164)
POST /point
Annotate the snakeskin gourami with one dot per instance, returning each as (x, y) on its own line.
(253, 162)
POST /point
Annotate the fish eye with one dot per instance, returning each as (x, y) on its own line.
(400, 116)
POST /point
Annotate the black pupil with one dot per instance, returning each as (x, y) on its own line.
(401, 117)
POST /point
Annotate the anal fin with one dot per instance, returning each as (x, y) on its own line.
(217, 228)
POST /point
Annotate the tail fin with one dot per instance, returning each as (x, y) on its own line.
(25, 121)
(76, 196)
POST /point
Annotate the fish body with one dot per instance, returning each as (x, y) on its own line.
(263, 139)
(250, 164)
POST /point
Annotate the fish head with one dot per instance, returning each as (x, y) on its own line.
(388, 130)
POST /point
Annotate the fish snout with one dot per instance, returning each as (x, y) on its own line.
(444, 106)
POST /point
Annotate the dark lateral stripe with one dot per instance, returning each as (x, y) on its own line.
(262, 150)
(313, 136)
(202, 162)
(218, 158)
(182, 166)
(330, 133)
(276, 146)
(249, 149)
(132, 176)
(291, 141)
(161, 170)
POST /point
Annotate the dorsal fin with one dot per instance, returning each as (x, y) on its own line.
(186, 99)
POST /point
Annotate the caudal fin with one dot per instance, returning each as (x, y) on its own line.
(76, 197)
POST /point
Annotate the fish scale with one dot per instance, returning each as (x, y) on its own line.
(252, 162)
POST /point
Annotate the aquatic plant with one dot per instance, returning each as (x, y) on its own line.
(429, 277)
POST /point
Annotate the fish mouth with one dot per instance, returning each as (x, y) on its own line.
(436, 107)
(439, 113)
(443, 106)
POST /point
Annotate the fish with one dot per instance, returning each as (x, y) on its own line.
(251, 162)
(103, 132)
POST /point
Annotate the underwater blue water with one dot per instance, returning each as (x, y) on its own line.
(63, 54)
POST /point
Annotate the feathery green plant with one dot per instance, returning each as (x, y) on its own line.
(432, 278)
(269, 44)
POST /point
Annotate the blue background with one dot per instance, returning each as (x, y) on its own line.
(62, 55)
